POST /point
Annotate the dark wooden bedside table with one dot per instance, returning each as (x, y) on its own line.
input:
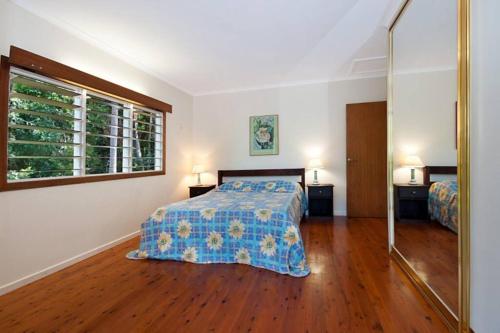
(197, 190)
(410, 201)
(320, 199)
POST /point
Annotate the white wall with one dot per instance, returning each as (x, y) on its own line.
(311, 124)
(485, 141)
(42, 227)
(424, 120)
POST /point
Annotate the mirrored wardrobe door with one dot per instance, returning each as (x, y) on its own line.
(423, 96)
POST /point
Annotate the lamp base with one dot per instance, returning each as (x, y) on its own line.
(413, 180)
(315, 181)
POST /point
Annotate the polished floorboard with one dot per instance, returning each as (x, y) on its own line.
(354, 287)
(432, 250)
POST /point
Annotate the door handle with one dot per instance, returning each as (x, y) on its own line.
(350, 160)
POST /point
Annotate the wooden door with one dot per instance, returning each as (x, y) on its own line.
(366, 159)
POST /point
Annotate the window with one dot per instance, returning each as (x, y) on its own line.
(57, 130)
(64, 133)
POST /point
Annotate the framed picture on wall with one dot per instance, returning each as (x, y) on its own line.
(264, 135)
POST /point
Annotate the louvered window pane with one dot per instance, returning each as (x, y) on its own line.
(106, 125)
(147, 140)
(42, 128)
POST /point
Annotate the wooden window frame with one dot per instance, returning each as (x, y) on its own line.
(26, 60)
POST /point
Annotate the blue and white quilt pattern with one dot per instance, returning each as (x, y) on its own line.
(253, 223)
(443, 203)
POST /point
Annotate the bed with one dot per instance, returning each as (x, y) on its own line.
(443, 201)
(253, 222)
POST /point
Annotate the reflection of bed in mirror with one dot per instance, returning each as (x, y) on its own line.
(443, 188)
(430, 245)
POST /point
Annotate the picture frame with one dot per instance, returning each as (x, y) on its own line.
(264, 135)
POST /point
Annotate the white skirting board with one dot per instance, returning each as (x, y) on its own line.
(63, 264)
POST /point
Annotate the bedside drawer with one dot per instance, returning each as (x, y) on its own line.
(413, 192)
(320, 192)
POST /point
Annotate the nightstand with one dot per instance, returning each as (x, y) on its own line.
(197, 190)
(410, 201)
(320, 199)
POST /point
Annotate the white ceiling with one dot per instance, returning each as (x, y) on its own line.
(212, 46)
(425, 37)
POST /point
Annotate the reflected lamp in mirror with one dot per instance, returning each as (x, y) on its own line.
(315, 164)
(412, 162)
(198, 170)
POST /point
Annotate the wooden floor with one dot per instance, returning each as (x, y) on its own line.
(353, 287)
(432, 251)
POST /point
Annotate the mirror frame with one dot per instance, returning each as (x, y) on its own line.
(459, 322)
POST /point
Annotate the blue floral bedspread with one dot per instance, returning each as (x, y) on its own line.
(443, 203)
(253, 223)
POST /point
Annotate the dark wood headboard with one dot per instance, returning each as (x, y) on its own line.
(438, 170)
(264, 172)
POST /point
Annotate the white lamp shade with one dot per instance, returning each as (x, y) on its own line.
(315, 164)
(413, 161)
(198, 168)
